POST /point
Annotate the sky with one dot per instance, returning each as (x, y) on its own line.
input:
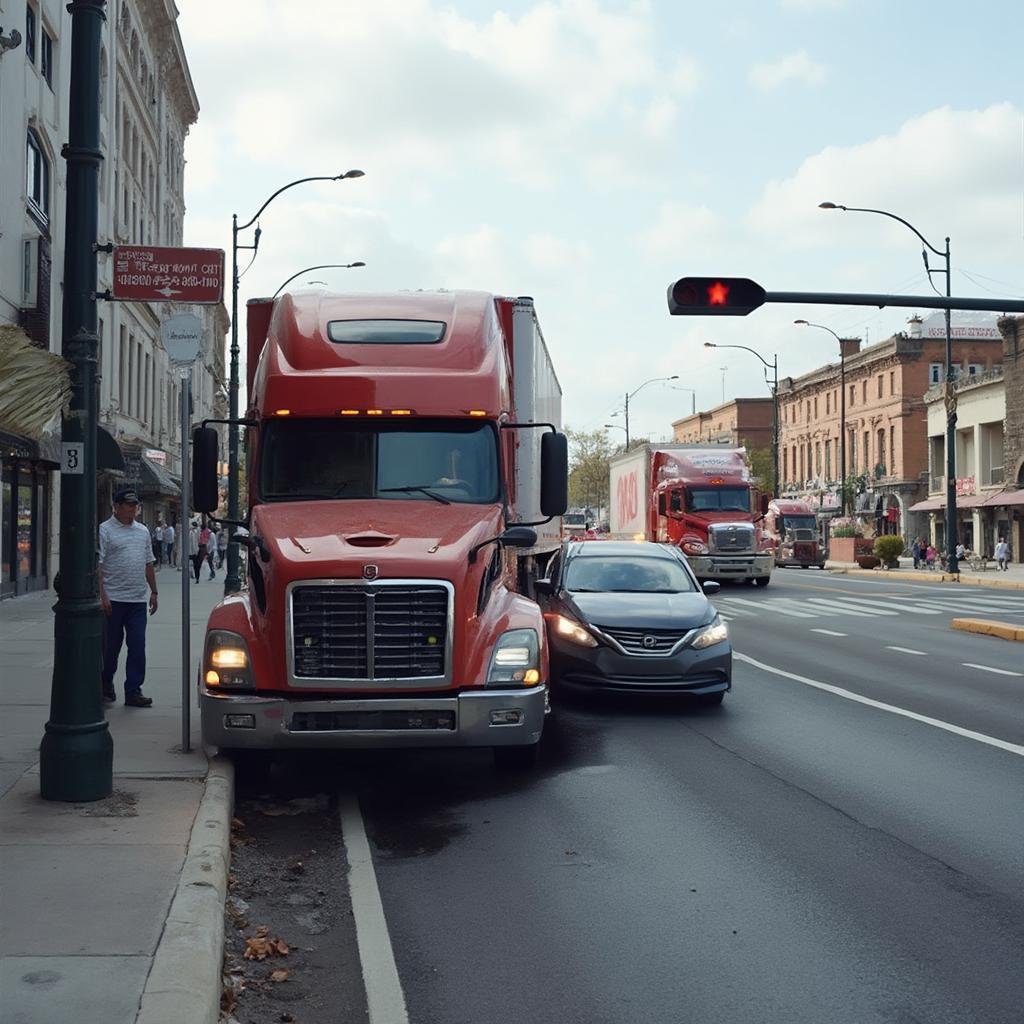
(590, 152)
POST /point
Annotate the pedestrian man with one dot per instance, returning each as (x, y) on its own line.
(1002, 553)
(169, 544)
(222, 545)
(211, 549)
(915, 550)
(961, 552)
(127, 583)
(158, 544)
(196, 551)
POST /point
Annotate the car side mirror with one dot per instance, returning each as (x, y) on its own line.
(711, 586)
(543, 587)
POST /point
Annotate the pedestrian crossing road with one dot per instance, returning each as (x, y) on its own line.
(859, 606)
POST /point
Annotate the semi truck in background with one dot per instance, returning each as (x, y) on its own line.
(697, 497)
(406, 475)
(792, 528)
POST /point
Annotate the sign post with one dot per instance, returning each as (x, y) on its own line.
(182, 336)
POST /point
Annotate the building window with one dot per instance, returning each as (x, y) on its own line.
(828, 460)
(815, 406)
(892, 450)
(974, 369)
(37, 182)
(828, 402)
(30, 33)
(853, 391)
(881, 451)
(46, 57)
(935, 373)
(867, 447)
(879, 385)
(852, 461)
(122, 370)
(892, 382)
(864, 392)
(817, 458)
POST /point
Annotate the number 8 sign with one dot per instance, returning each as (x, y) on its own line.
(71, 461)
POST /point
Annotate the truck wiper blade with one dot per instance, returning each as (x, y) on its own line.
(422, 490)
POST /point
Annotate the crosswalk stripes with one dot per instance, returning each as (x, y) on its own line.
(860, 606)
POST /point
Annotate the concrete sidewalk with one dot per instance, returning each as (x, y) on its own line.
(1012, 579)
(117, 905)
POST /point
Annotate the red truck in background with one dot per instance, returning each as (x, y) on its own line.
(697, 497)
(406, 472)
(792, 528)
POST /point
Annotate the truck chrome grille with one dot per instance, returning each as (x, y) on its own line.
(731, 537)
(645, 641)
(371, 632)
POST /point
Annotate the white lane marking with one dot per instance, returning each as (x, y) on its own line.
(384, 997)
(1012, 748)
(873, 603)
(989, 668)
(906, 650)
(828, 607)
(764, 605)
(827, 632)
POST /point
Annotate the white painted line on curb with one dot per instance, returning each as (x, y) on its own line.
(829, 632)
(384, 997)
(988, 668)
(906, 650)
(1012, 748)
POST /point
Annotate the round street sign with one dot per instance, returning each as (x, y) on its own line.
(182, 335)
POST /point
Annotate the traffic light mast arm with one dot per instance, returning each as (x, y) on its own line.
(993, 305)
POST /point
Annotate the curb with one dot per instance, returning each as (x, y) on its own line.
(925, 577)
(184, 983)
(1004, 630)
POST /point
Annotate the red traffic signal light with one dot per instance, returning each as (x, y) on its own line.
(714, 296)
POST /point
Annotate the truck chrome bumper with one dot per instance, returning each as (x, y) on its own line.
(476, 718)
(736, 567)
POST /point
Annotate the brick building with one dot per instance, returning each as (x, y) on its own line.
(742, 421)
(886, 422)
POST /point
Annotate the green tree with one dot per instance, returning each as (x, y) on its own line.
(589, 452)
(762, 467)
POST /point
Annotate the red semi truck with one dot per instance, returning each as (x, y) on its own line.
(406, 473)
(792, 528)
(697, 497)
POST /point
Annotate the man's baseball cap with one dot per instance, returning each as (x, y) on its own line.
(126, 496)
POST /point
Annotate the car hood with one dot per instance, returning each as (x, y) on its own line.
(643, 611)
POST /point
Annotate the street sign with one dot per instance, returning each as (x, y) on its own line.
(182, 335)
(146, 273)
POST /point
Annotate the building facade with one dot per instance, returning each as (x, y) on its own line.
(741, 421)
(147, 105)
(885, 420)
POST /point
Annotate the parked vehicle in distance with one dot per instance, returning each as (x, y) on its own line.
(632, 617)
(792, 528)
(699, 498)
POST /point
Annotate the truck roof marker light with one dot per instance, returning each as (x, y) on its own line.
(282, 412)
(477, 412)
(348, 412)
(374, 412)
(401, 412)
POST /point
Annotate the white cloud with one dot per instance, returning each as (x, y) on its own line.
(680, 229)
(795, 67)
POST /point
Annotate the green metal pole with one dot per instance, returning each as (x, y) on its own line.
(232, 578)
(951, 532)
(76, 756)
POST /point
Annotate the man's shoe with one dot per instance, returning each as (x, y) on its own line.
(136, 700)
(109, 696)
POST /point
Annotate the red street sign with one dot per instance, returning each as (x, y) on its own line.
(147, 273)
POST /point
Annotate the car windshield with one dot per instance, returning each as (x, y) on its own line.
(627, 574)
(717, 499)
(440, 460)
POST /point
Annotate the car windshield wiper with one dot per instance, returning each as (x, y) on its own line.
(422, 490)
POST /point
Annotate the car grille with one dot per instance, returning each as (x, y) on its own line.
(645, 641)
(731, 538)
(369, 632)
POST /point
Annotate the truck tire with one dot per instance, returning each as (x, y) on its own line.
(515, 759)
(763, 581)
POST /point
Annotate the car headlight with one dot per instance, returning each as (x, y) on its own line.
(226, 661)
(516, 659)
(567, 629)
(714, 633)
(693, 546)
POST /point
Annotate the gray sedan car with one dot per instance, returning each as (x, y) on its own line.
(632, 617)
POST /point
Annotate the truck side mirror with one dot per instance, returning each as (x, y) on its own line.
(764, 504)
(205, 496)
(554, 474)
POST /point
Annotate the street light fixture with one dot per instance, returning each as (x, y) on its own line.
(693, 397)
(232, 580)
(631, 394)
(842, 408)
(319, 266)
(774, 367)
(950, 396)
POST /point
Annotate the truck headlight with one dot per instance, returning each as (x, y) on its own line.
(693, 546)
(226, 661)
(567, 629)
(714, 633)
(516, 659)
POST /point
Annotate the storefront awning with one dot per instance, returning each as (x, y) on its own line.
(156, 479)
(1006, 498)
(108, 455)
(972, 501)
(929, 505)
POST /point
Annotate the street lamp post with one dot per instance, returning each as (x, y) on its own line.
(631, 394)
(693, 398)
(951, 531)
(319, 266)
(774, 367)
(842, 408)
(232, 580)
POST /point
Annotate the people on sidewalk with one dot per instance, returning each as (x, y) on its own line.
(158, 543)
(1002, 553)
(126, 579)
(169, 544)
(915, 550)
(210, 549)
(222, 545)
(196, 552)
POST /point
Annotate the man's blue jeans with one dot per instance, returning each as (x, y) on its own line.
(127, 619)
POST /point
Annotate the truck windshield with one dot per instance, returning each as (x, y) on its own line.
(441, 460)
(717, 499)
(799, 523)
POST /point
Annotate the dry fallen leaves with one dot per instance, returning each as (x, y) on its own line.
(279, 974)
(259, 946)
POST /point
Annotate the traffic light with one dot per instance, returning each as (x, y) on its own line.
(714, 296)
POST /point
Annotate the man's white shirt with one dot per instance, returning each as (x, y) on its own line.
(125, 551)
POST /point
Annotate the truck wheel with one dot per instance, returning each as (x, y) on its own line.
(763, 581)
(515, 759)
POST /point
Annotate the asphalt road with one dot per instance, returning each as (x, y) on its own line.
(795, 856)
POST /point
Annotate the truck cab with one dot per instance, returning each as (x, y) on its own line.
(793, 530)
